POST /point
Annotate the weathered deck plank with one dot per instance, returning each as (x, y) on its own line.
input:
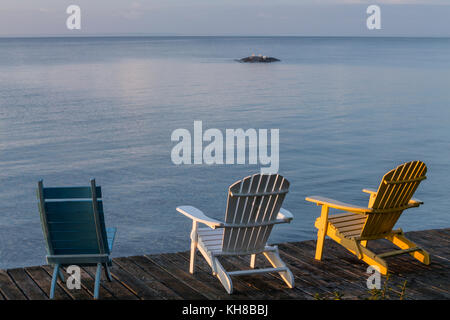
(183, 275)
(170, 281)
(8, 288)
(202, 268)
(43, 280)
(160, 291)
(166, 276)
(31, 290)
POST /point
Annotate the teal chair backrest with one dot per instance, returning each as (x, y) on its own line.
(72, 220)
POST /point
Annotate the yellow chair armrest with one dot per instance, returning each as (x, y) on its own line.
(415, 202)
(370, 191)
(321, 201)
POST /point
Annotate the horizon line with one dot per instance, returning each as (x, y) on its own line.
(161, 35)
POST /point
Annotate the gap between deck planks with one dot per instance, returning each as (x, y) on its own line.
(166, 276)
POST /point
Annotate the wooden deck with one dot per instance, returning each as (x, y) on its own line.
(166, 276)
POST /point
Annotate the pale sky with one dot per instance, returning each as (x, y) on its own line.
(225, 17)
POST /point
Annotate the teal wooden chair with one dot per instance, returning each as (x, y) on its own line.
(74, 229)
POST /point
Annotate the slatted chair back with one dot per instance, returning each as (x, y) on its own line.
(72, 220)
(253, 205)
(395, 191)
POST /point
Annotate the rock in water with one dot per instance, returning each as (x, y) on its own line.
(260, 58)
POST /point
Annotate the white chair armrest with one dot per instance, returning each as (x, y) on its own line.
(197, 215)
(285, 215)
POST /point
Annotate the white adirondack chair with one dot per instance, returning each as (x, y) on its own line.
(254, 206)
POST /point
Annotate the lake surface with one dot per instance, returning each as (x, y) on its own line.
(348, 110)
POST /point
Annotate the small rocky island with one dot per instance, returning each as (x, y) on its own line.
(259, 58)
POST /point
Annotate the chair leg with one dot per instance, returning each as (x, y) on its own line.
(372, 259)
(194, 241)
(192, 260)
(107, 272)
(217, 269)
(98, 275)
(274, 258)
(224, 278)
(404, 243)
(322, 232)
(61, 275)
(54, 279)
(253, 261)
(319, 245)
(360, 251)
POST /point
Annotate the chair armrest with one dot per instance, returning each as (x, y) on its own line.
(320, 201)
(371, 191)
(415, 202)
(110, 237)
(197, 215)
(285, 215)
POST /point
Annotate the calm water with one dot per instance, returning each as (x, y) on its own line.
(348, 110)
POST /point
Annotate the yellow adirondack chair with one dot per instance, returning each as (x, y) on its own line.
(357, 225)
